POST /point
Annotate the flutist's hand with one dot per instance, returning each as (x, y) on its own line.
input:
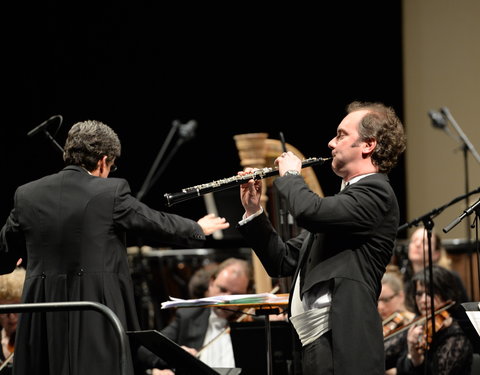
(288, 161)
(211, 223)
(250, 193)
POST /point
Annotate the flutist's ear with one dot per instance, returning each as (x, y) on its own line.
(369, 146)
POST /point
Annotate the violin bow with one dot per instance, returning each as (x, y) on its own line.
(8, 359)
(421, 319)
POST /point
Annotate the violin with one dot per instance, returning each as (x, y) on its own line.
(421, 320)
(397, 319)
(427, 337)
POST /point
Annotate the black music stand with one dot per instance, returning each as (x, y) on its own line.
(249, 342)
(262, 309)
(183, 362)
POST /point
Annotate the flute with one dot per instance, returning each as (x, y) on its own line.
(226, 183)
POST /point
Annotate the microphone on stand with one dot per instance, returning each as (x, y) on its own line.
(466, 213)
(445, 112)
(438, 120)
(43, 127)
(187, 131)
(45, 124)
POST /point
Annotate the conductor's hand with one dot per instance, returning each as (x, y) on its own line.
(211, 223)
(250, 193)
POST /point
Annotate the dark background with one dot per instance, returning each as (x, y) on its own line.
(234, 69)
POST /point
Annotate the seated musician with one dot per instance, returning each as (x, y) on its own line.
(391, 303)
(11, 286)
(196, 329)
(415, 350)
(418, 259)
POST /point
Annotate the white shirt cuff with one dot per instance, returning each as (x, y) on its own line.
(245, 220)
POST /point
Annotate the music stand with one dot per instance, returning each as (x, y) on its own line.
(469, 320)
(248, 341)
(265, 309)
(183, 362)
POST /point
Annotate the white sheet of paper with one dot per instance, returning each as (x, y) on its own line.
(474, 317)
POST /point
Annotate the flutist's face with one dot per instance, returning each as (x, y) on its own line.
(349, 153)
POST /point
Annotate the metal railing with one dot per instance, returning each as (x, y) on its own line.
(78, 306)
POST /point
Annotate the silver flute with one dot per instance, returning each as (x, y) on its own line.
(226, 183)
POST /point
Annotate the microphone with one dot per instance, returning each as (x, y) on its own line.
(466, 213)
(438, 119)
(445, 112)
(187, 131)
(44, 125)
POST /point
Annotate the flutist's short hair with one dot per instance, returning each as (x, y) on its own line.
(383, 125)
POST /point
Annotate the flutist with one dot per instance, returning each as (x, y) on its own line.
(338, 260)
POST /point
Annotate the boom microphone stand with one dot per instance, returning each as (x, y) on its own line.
(427, 221)
(185, 132)
(43, 128)
(473, 208)
(439, 120)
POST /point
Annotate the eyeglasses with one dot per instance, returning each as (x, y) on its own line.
(387, 299)
(113, 168)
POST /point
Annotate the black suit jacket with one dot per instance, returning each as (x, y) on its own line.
(71, 227)
(189, 327)
(348, 241)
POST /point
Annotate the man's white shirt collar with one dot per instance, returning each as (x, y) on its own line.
(353, 180)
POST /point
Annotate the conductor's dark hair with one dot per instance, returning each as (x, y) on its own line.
(88, 142)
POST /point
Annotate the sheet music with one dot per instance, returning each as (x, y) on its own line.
(224, 299)
(474, 317)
